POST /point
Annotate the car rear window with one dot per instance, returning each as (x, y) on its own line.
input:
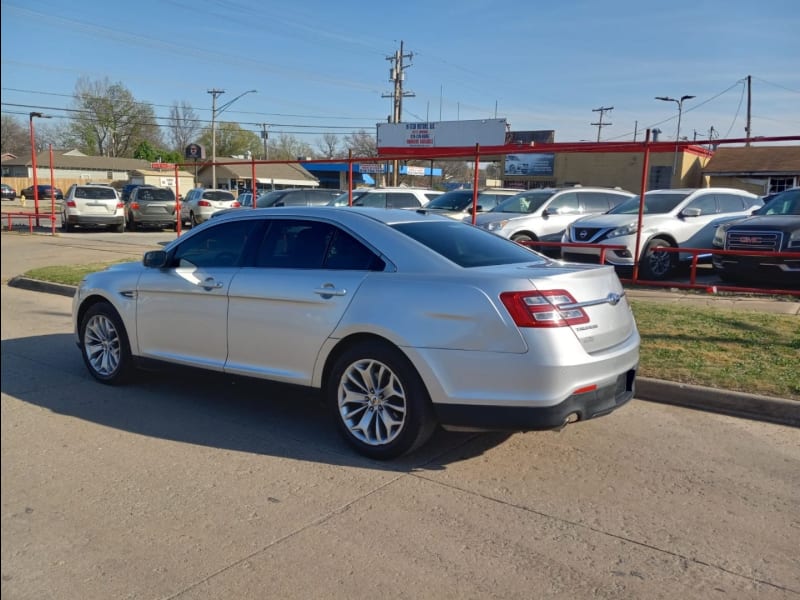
(218, 195)
(158, 194)
(96, 193)
(468, 246)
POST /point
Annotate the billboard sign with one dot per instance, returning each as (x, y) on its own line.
(442, 134)
(530, 164)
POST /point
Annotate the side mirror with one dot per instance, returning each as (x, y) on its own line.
(155, 259)
(691, 212)
(550, 211)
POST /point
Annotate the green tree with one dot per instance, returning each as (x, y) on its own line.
(232, 140)
(109, 121)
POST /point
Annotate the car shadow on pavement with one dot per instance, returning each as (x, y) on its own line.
(199, 407)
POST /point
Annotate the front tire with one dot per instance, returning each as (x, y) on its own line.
(104, 345)
(657, 265)
(379, 402)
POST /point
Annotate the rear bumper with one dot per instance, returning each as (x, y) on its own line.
(95, 221)
(578, 407)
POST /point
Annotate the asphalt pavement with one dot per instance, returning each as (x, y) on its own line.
(22, 251)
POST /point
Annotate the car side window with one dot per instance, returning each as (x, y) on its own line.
(402, 200)
(594, 202)
(294, 244)
(347, 253)
(706, 203)
(565, 203)
(377, 199)
(218, 246)
(731, 203)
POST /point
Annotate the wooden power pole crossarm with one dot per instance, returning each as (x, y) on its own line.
(602, 110)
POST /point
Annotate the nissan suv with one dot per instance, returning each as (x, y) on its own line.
(679, 218)
(543, 214)
(92, 205)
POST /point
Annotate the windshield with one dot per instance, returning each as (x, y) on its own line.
(454, 200)
(524, 203)
(468, 246)
(269, 199)
(785, 203)
(654, 204)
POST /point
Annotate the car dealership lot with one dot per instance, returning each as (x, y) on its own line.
(198, 486)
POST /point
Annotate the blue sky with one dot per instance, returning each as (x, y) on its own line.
(321, 66)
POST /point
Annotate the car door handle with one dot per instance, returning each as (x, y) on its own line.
(328, 291)
(210, 284)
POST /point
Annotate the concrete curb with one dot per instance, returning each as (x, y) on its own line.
(727, 402)
(47, 287)
(737, 404)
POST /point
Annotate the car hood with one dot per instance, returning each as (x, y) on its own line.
(785, 223)
(603, 221)
(492, 216)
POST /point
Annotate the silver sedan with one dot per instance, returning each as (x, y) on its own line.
(404, 320)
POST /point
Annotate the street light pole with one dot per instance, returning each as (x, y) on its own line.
(214, 112)
(33, 162)
(678, 133)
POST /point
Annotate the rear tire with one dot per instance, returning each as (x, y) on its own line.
(379, 402)
(656, 265)
(193, 221)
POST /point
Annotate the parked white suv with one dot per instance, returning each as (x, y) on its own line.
(387, 197)
(681, 218)
(543, 214)
(92, 205)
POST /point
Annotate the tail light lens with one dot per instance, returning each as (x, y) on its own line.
(235, 204)
(203, 203)
(547, 308)
(71, 203)
(134, 205)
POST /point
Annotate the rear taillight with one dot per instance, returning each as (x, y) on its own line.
(235, 204)
(71, 203)
(134, 205)
(549, 308)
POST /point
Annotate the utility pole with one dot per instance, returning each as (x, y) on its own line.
(602, 110)
(214, 94)
(265, 137)
(397, 75)
(747, 127)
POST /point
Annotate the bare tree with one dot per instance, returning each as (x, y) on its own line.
(362, 144)
(14, 136)
(184, 126)
(288, 147)
(328, 145)
(110, 121)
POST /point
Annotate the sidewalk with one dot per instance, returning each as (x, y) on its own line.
(21, 252)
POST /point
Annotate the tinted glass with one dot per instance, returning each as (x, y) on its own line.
(455, 200)
(707, 204)
(732, 203)
(526, 202)
(594, 202)
(468, 246)
(95, 193)
(154, 195)
(565, 203)
(218, 195)
(402, 200)
(785, 203)
(218, 246)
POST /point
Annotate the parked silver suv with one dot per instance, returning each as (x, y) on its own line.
(543, 214)
(92, 206)
(199, 204)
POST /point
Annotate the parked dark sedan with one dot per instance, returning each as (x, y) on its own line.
(8, 192)
(44, 192)
(775, 227)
